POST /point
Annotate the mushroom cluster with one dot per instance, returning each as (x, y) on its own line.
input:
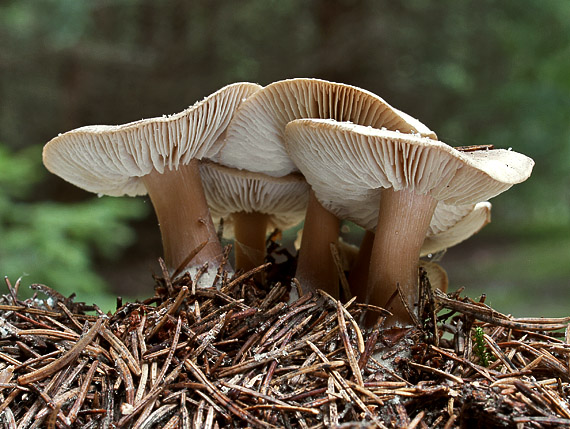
(299, 149)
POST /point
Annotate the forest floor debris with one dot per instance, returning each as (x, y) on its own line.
(241, 356)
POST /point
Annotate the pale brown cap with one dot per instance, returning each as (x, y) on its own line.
(348, 166)
(254, 138)
(353, 158)
(111, 160)
(457, 232)
(230, 190)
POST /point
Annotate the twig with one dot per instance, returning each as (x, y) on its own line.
(347, 346)
(173, 308)
(223, 399)
(65, 359)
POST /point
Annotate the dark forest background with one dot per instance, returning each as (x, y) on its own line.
(475, 71)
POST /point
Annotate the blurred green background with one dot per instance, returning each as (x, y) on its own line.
(475, 71)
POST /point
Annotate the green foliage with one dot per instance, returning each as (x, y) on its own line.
(480, 348)
(18, 172)
(55, 243)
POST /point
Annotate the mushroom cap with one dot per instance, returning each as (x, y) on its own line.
(436, 274)
(359, 159)
(254, 138)
(111, 159)
(461, 230)
(229, 190)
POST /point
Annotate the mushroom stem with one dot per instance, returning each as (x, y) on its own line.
(315, 266)
(250, 231)
(403, 221)
(358, 276)
(183, 215)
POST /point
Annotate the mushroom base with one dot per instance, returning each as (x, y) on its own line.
(403, 221)
(184, 218)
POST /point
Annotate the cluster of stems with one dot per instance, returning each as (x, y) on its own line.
(388, 260)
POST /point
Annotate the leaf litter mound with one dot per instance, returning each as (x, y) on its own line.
(240, 355)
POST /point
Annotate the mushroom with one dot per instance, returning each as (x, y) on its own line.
(414, 174)
(251, 204)
(254, 138)
(159, 156)
(254, 142)
(449, 226)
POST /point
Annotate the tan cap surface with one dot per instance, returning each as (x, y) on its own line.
(254, 138)
(111, 159)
